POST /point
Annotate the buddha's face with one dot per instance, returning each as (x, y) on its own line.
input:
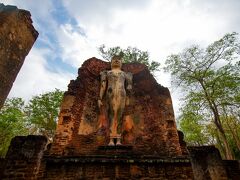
(116, 62)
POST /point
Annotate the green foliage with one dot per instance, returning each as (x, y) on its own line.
(37, 117)
(12, 122)
(192, 124)
(232, 125)
(210, 79)
(195, 64)
(42, 112)
(131, 54)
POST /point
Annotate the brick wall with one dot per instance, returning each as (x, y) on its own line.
(106, 167)
(148, 124)
(232, 168)
(2, 166)
(207, 163)
(24, 157)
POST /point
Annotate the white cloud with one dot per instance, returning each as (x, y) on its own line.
(100, 12)
(75, 47)
(161, 27)
(35, 78)
(40, 9)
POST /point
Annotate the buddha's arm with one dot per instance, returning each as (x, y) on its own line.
(129, 87)
(103, 85)
(129, 81)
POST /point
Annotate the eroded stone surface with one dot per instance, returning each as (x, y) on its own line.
(152, 148)
(24, 157)
(149, 123)
(207, 163)
(17, 36)
(119, 168)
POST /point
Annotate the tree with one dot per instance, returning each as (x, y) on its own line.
(37, 117)
(192, 123)
(131, 54)
(12, 122)
(232, 126)
(211, 76)
(42, 112)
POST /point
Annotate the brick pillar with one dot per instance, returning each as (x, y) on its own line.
(207, 163)
(17, 36)
(24, 157)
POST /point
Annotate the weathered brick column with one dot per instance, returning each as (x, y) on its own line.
(207, 163)
(24, 157)
(17, 36)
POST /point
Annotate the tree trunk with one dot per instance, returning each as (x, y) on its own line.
(232, 129)
(229, 154)
(221, 148)
(235, 136)
(217, 122)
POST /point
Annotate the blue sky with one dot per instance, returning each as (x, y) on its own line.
(71, 30)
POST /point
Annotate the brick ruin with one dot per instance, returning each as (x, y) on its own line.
(149, 124)
(152, 147)
(17, 36)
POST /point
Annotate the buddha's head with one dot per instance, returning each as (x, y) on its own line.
(116, 62)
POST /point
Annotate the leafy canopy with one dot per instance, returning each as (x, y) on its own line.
(12, 122)
(42, 112)
(210, 80)
(39, 116)
(131, 54)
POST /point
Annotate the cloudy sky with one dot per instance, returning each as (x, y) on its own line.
(70, 31)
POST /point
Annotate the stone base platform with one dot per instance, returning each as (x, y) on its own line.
(116, 150)
(27, 159)
(115, 162)
(115, 167)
